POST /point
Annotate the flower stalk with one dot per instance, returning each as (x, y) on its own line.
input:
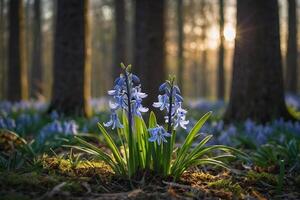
(130, 143)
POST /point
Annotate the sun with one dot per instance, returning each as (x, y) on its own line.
(229, 33)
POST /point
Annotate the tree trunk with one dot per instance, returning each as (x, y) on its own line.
(37, 69)
(292, 49)
(71, 85)
(204, 74)
(203, 38)
(180, 19)
(257, 85)
(120, 37)
(149, 58)
(221, 77)
(2, 50)
(17, 70)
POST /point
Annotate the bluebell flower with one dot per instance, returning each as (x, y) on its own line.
(158, 134)
(226, 135)
(138, 109)
(7, 123)
(171, 98)
(137, 97)
(180, 118)
(57, 128)
(70, 128)
(137, 93)
(54, 115)
(114, 121)
(162, 102)
(125, 87)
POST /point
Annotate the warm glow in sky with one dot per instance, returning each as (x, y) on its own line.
(229, 33)
(214, 37)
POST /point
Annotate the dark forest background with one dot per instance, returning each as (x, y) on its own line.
(67, 52)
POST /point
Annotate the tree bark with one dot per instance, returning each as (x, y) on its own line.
(2, 50)
(71, 86)
(257, 85)
(203, 38)
(17, 70)
(37, 69)
(180, 40)
(292, 49)
(149, 50)
(120, 37)
(221, 76)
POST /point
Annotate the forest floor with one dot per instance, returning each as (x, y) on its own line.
(58, 178)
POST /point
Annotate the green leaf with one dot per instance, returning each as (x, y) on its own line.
(113, 147)
(188, 142)
(189, 139)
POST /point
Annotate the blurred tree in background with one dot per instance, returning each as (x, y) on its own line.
(36, 81)
(180, 38)
(221, 76)
(71, 85)
(17, 66)
(149, 49)
(120, 37)
(184, 37)
(292, 48)
(257, 86)
(2, 51)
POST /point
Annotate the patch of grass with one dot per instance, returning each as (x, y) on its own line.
(83, 168)
(227, 185)
(255, 177)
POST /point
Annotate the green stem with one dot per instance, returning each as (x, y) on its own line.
(168, 146)
(130, 142)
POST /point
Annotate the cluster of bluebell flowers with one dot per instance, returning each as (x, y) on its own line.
(55, 128)
(127, 95)
(171, 101)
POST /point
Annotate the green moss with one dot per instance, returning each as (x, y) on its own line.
(255, 177)
(28, 180)
(83, 168)
(227, 185)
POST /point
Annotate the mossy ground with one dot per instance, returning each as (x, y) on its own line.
(62, 178)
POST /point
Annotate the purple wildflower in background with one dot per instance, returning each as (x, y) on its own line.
(58, 128)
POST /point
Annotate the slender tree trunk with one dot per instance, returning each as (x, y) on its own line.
(17, 69)
(257, 84)
(37, 69)
(203, 37)
(2, 50)
(28, 38)
(292, 49)
(120, 37)
(71, 86)
(203, 72)
(221, 76)
(149, 59)
(180, 21)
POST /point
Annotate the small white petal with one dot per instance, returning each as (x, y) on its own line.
(157, 104)
(111, 92)
(113, 105)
